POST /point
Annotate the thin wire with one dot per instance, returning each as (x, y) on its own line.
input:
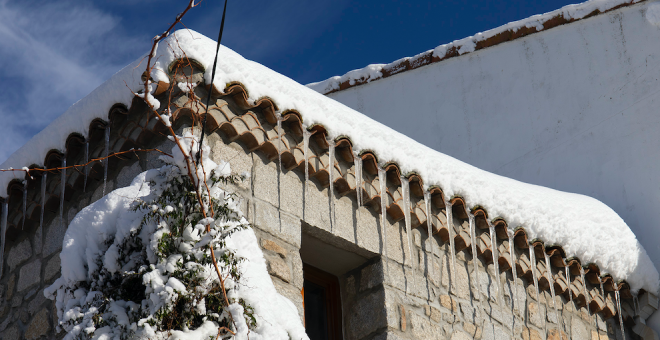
(208, 97)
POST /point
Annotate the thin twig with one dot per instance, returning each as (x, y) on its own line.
(115, 154)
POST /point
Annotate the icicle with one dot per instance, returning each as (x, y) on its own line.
(358, 183)
(3, 230)
(279, 141)
(86, 167)
(584, 286)
(512, 253)
(107, 153)
(602, 290)
(358, 178)
(532, 262)
(496, 264)
(427, 204)
(551, 281)
(382, 179)
(618, 311)
(570, 297)
(306, 135)
(25, 184)
(473, 241)
(43, 199)
(636, 304)
(450, 230)
(405, 192)
(63, 189)
(568, 284)
(331, 167)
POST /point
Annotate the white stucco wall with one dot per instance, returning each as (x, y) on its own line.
(575, 108)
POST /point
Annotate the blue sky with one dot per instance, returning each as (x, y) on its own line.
(53, 53)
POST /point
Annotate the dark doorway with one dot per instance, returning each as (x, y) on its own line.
(322, 303)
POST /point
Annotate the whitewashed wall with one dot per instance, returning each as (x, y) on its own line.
(575, 108)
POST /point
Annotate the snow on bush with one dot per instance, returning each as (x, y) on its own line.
(137, 263)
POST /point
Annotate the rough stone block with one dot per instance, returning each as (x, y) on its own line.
(462, 281)
(594, 335)
(10, 286)
(274, 247)
(127, 174)
(267, 183)
(435, 314)
(29, 274)
(297, 279)
(531, 292)
(371, 276)
(53, 267)
(278, 268)
(366, 315)
(241, 162)
(555, 334)
(473, 331)
(449, 303)
(317, 206)
(54, 236)
(487, 285)
(602, 325)
(469, 312)
(18, 254)
(365, 229)
(536, 314)
(534, 335)
(36, 303)
(579, 329)
(291, 199)
(458, 335)
(435, 276)
(16, 301)
(270, 219)
(4, 308)
(38, 326)
(11, 334)
(501, 315)
(350, 285)
(37, 240)
(449, 318)
(422, 328)
(494, 332)
(398, 276)
(551, 315)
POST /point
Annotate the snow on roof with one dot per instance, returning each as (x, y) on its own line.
(507, 32)
(583, 226)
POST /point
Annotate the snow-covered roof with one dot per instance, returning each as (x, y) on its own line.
(495, 36)
(583, 226)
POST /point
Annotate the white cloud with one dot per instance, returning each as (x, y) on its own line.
(51, 55)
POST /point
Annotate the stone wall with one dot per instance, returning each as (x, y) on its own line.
(33, 263)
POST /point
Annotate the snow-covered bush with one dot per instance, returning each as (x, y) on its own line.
(138, 262)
